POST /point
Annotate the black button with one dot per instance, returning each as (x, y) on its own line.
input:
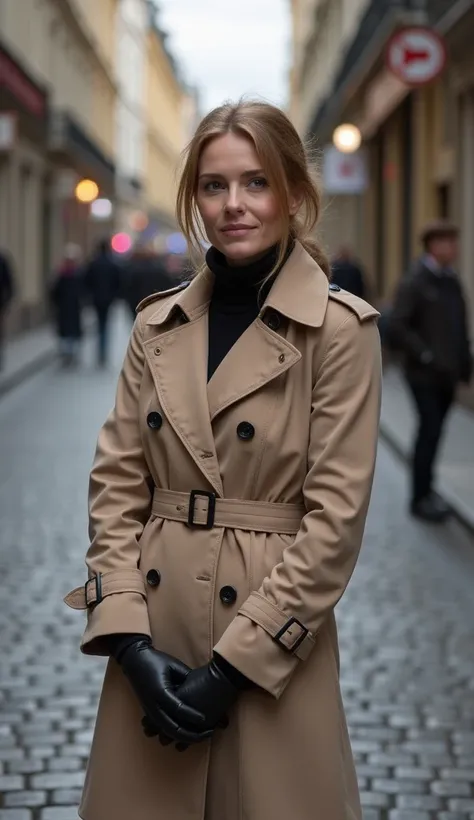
(334, 287)
(273, 320)
(153, 577)
(245, 430)
(228, 595)
(154, 420)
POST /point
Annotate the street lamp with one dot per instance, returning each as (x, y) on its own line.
(347, 138)
(86, 191)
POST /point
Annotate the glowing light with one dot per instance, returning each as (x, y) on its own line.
(101, 209)
(347, 138)
(176, 243)
(87, 190)
(121, 243)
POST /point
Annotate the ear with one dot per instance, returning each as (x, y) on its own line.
(295, 201)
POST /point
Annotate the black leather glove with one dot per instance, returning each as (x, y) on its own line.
(212, 689)
(155, 678)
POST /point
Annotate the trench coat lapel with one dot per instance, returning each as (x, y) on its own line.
(260, 355)
(178, 362)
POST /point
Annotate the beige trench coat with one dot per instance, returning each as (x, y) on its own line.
(305, 377)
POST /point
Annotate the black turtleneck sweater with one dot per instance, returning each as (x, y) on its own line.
(236, 300)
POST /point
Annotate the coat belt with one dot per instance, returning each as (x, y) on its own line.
(202, 509)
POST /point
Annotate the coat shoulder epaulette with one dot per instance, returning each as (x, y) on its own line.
(160, 294)
(362, 309)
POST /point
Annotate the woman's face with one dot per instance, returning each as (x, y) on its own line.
(238, 208)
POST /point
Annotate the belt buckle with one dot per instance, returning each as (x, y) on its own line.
(211, 509)
(98, 589)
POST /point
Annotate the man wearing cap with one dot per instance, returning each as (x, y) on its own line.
(429, 325)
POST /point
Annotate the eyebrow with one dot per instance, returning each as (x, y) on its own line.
(257, 172)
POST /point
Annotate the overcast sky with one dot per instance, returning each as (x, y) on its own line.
(231, 48)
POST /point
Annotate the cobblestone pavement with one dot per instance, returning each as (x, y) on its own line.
(406, 625)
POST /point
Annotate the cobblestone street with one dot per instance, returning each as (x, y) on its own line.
(406, 624)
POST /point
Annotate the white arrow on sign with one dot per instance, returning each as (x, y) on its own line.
(416, 55)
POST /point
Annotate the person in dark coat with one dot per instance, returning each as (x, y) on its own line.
(429, 325)
(102, 281)
(347, 273)
(67, 298)
(6, 294)
(145, 273)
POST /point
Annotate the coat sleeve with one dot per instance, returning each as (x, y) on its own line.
(276, 627)
(119, 506)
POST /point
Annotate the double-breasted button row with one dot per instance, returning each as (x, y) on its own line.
(245, 430)
(227, 594)
(153, 577)
(154, 420)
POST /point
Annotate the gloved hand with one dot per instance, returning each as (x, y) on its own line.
(155, 678)
(211, 690)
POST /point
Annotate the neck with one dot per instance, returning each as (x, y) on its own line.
(242, 283)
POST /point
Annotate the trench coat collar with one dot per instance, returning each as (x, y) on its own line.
(178, 357)
(300, 293)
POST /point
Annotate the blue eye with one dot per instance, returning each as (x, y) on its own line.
(215, 185)
(259, 183)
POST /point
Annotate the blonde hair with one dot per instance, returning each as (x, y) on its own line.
(284, 161)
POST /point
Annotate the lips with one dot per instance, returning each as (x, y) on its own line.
(237, 229)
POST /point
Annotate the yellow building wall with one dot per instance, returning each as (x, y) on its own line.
(98, 18)
(165, 141)
(392, 207)
(423, 188)
(321, 31)
(102, 121)
(58, 54)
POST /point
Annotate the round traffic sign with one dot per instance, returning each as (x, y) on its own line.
(416, 55)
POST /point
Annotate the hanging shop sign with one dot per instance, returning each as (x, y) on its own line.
(344, 173)
(416, 55)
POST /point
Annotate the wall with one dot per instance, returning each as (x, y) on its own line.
(130, 64)
(66, 47)
(322, 29)
(166, 101)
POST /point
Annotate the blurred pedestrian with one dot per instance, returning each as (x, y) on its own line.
(144, 273)
(176, 266)
(67, 294)
(6, 295)
(347, 272)
(227, 505)
(429, 325)
(102, 280)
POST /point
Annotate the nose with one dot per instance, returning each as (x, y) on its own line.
(234, 202)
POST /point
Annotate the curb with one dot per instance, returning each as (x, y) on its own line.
(34, 366)
(460, 510)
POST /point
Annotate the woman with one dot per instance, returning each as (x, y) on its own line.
(67, 295)
(228, 501)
